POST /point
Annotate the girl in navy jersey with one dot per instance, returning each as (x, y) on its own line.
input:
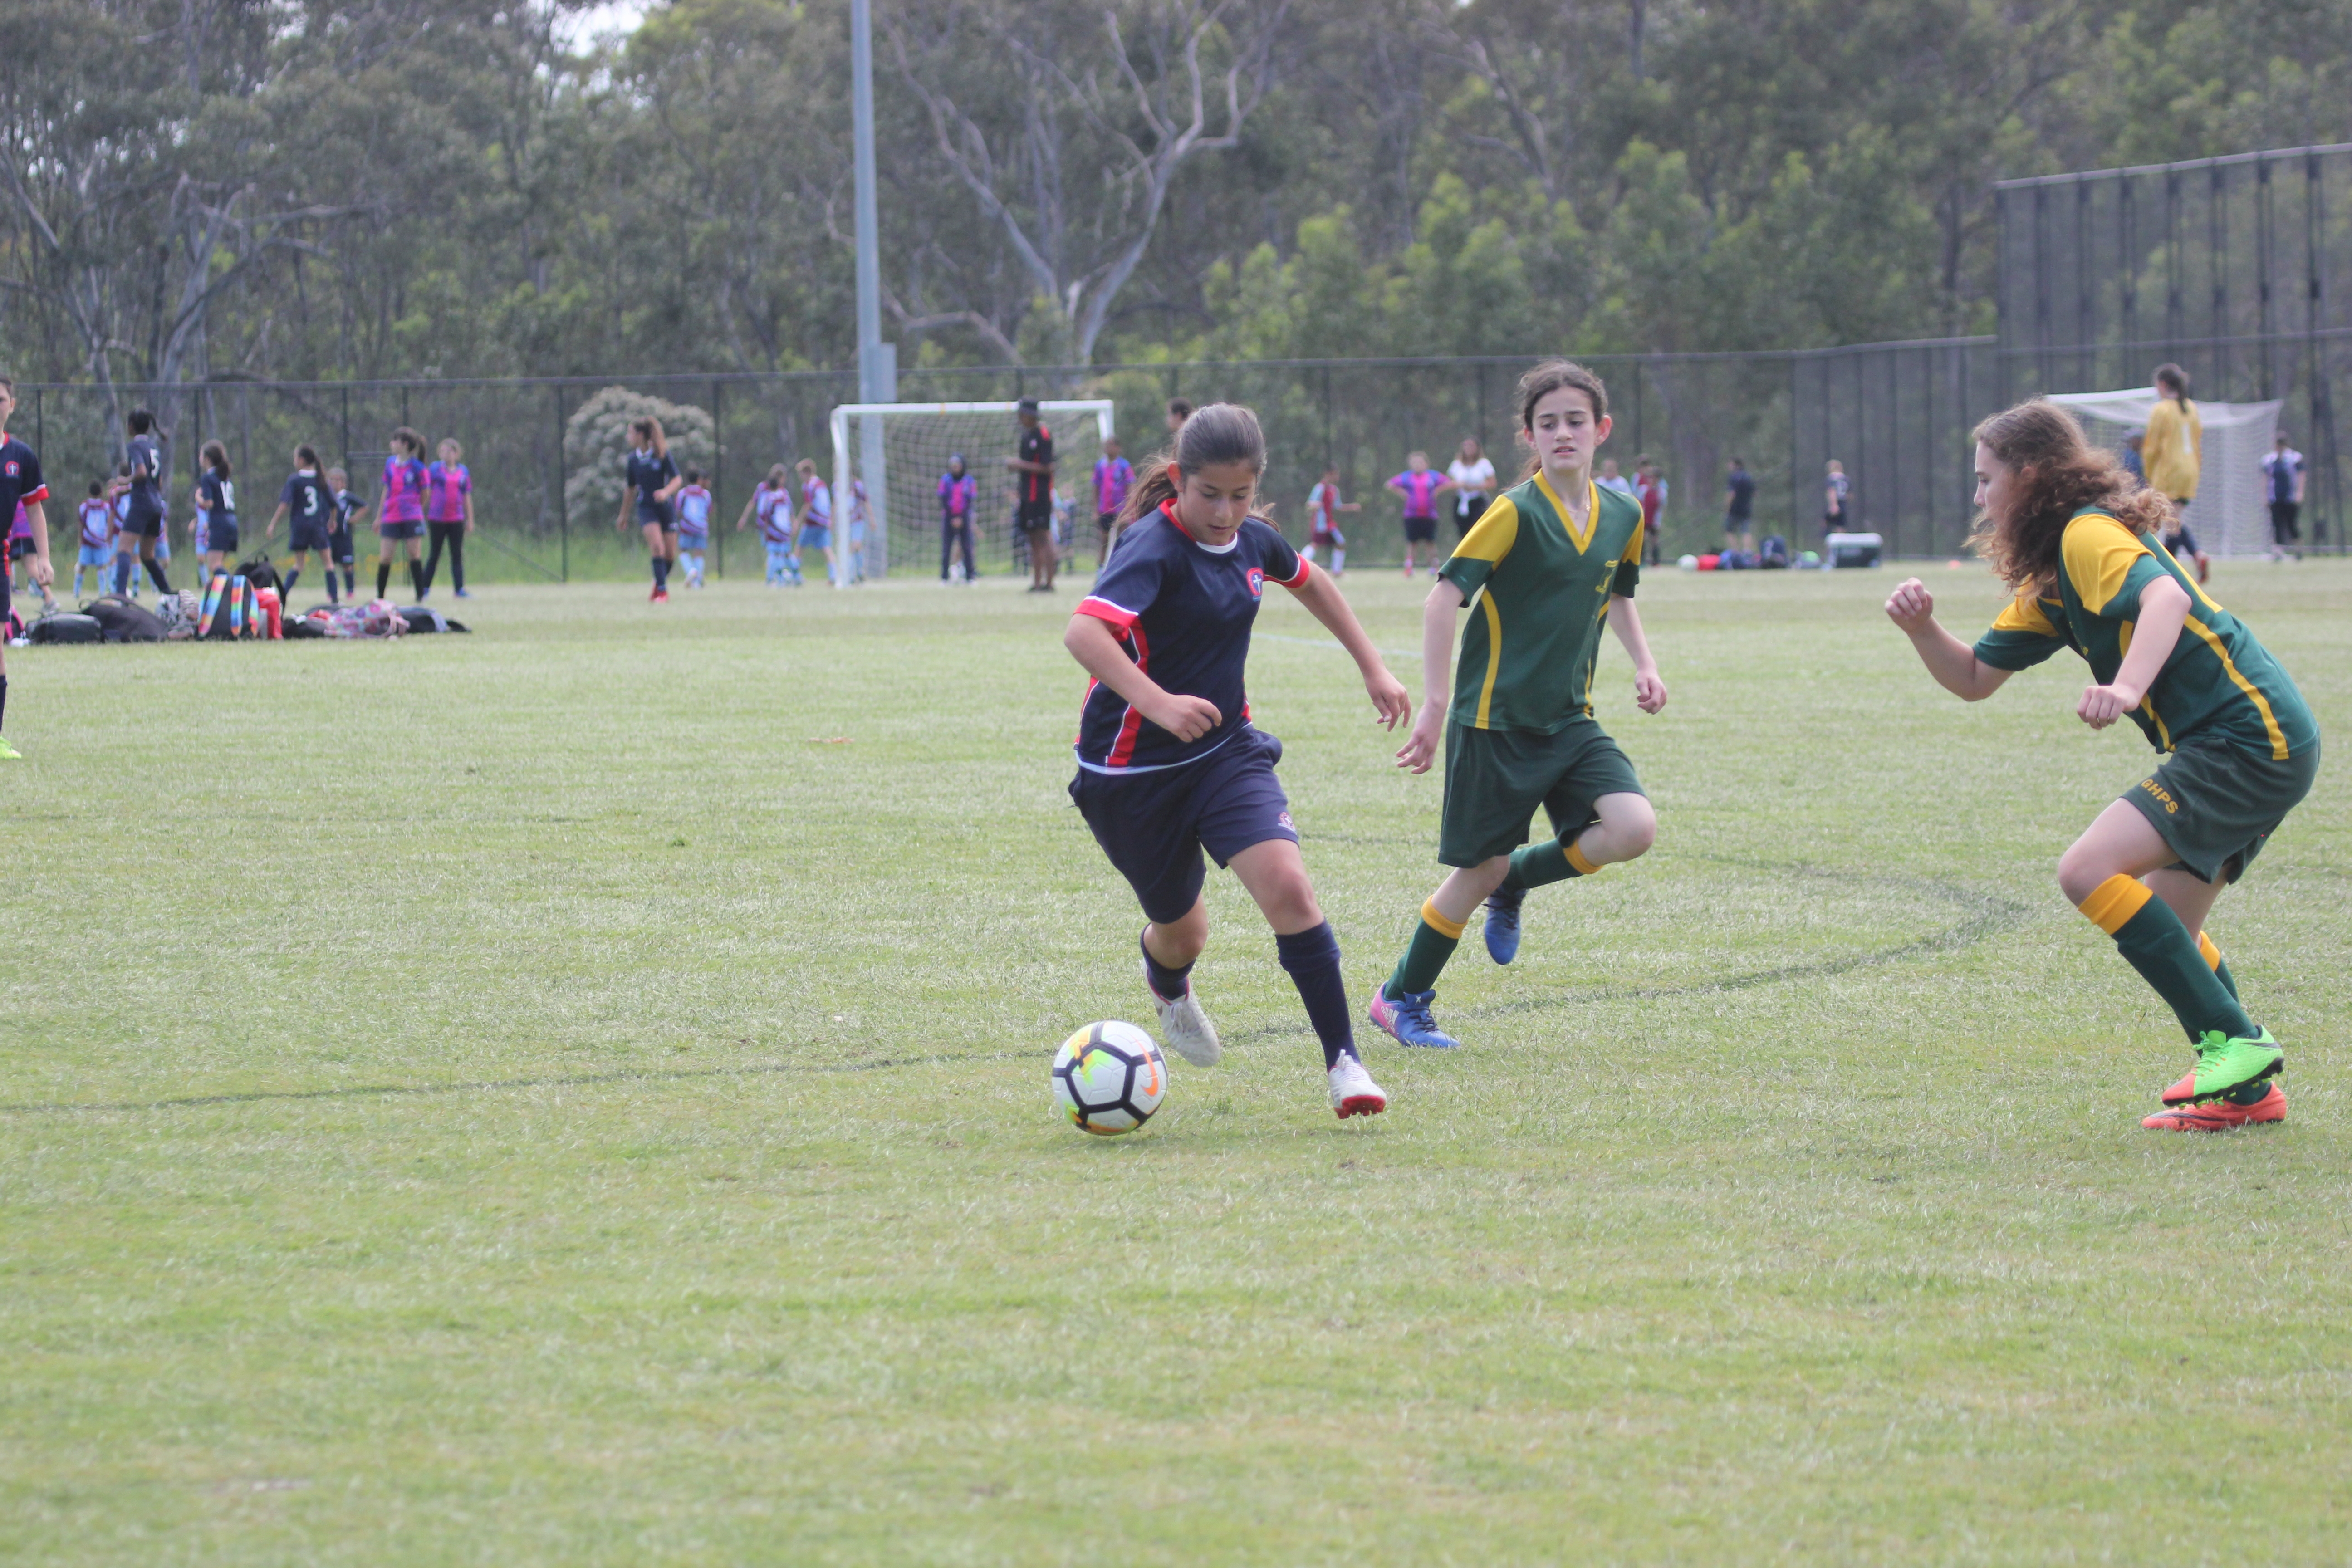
(217, 499)
(143, 524)
(653, 479)
(1169, 763)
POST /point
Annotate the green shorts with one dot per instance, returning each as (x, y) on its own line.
(2217, 804)
(1494, 779)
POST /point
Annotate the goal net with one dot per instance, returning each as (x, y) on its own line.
(2229, 516)
(901, 452)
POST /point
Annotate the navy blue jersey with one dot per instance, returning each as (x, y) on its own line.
(146, 467)
(1183, 611)
(217, 495)
(305, 499)
(647, 474)
(1036, 447)
(347, 503)
(20, 477)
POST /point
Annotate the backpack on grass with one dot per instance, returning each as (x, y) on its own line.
(123, 621)
(64, 627)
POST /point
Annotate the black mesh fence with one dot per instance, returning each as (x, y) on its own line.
(1897, 416)
(2236, 268)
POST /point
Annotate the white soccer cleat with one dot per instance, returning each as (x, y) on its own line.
(1185, 1027)
(1353, 1092)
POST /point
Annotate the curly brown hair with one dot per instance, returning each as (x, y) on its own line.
(2058, 474)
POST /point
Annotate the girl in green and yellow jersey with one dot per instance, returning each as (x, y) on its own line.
(1554, 560)
(2066, 528)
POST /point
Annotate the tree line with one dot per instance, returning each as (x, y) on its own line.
(201, 190)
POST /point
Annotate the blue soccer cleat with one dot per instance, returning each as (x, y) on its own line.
(1408, 1021)
(1503, 923)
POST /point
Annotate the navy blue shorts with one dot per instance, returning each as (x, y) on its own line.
(1154, 826)
(221, 535)
(307, 536)
(339, 545)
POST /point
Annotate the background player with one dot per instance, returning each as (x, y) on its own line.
(1323, 509)
(342, 535)
(1472, 479)
(1169, 763)
(959, 503)
(2171, 452)
(1739, 507)
(1650, 489)
(144, 525)
(20, 487)
(1554, 560)
(812, 523)
(1114, 477)
(1033, 489)
(693, 526)
(2283, 481)
(771, 503)
(311, 505)
(1419, 486)
(97, 552)
(216, 501)
(652, 481)
(448, 515)
(2065, 528)
(400, 515)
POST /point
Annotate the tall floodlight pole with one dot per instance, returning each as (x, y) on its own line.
(878, 362)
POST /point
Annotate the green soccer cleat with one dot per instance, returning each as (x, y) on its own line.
(9, 753)
(2224, 1064)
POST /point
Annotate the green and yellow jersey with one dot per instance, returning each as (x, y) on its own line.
(2218, 679)
(1539, 593)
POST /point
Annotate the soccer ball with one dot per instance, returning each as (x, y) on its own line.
(1688, 562)
(1109, 1078)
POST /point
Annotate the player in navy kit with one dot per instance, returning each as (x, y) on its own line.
(1169, 763)
(20, 486)
(142, 525)
(306, 500)
(653, 479)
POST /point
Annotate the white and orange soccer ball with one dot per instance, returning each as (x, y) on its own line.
(1109, 1078)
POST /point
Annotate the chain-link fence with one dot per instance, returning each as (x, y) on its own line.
(1897, 415)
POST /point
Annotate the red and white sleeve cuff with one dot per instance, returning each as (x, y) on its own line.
(1103, 609)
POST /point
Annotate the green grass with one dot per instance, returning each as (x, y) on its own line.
(576, 1094)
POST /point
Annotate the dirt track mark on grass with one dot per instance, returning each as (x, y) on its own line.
(569, 1080)
(1990, 916)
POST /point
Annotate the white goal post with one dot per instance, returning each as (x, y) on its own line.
(2230, 515)
(900, 451)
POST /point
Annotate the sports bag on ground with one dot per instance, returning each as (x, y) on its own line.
(123, 621)
(65, 626)
(230, 612)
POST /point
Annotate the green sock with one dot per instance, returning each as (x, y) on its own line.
(2154, 941)
(1553, 861)
(2213, 961)
(1433, 942)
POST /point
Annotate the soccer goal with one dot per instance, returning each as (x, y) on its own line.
(2228, 517)
(901, 450)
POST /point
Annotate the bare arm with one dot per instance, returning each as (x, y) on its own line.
(37, 516)
(1327, 605)
(469, 508)
(2163, 611)
(1952, 662)
(1649, 690)
(270, 527)
(1092, 643)
(1437, 613)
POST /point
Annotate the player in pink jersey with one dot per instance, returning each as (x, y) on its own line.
(448, 515)
(1421, 485)
(400, 515)
(1114, 477)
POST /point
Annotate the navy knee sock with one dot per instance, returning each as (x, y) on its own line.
(285, 589)
(661, 572)
(155, 574)
(1167, 984)
(123, 573)
(1311, 958)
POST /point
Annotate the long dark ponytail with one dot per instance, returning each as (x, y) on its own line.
(2172, 375)
(1216, 434)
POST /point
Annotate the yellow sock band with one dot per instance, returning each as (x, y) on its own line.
(2113, 901)
(2213, 955)
(1576, 857)
(1434, 917)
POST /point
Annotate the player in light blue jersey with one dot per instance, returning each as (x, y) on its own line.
(771, 503)
(693, 526)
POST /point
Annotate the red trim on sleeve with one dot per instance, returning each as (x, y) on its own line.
(1103, 609)
(41, 494)
(1305, 570)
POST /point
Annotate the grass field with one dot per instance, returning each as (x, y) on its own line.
(576, 1094)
